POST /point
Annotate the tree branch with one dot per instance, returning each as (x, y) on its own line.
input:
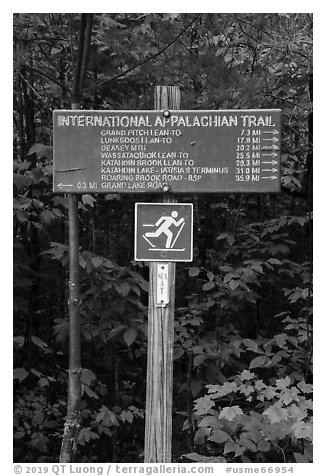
(42, 73)
(87, 42)
(75, 89)
(146, 60)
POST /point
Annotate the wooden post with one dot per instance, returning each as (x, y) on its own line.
(159, 390)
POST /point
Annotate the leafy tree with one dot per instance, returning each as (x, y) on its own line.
(243, 328)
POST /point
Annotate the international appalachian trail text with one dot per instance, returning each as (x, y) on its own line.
(175, 120)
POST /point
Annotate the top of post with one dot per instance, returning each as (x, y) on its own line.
(167, 97)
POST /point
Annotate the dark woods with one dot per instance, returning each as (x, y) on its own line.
(243, 324)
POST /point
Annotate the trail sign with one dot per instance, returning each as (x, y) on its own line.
(180, 151)
(163, 231)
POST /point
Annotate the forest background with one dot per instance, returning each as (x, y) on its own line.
(243, 331)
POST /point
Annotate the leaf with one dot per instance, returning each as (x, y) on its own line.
(226, 268)
(19, 340)
(203, 405)
(229, 413)
(193, 456)
(247, 375)
(85, 435)
(88, 199)
(36, 372)
(38, 417)
(304, 387)
(230, 447)
(39, 342)
(123, 287)
(251, 345)
(194, 271)
(178, 352)
(222, 390)
(289, 395)
(21, 216)
(208, 286)
(283, 383)
(301, 458)
(113, 196)
(130, 336)
(97, 261)
(195, 387)
(90, 392)
(228, 58)
(61, 329)
(20, 374)
(274, 261)
(296, 412)
(199, 359)
(57, 213)
(258, 362)
(247, 443)
(46, 216)
(263, 445)
(234, 283)
(269, 393)
(20, 181)
(257, 267)
(229, 238)
(40, 442)
(201, 435)
(87, 376)
(281, 339)
(205, 459)
(41, 151)
(302, 430)
(209, 420)
(106, 417)
(127, 416)
(219, 436)
(276, 413)
(222, 236)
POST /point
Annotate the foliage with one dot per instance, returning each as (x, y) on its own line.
(243, 320)
(254, 415)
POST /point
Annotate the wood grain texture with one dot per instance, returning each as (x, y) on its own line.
(159, 388)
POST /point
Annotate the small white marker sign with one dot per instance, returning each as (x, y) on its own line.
(162, 285)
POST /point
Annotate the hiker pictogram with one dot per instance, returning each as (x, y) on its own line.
(163, 226)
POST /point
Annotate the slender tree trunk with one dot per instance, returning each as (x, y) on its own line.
(73, 419)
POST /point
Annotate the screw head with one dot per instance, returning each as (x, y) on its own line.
(166, 113)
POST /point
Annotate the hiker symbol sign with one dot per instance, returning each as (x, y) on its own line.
(163, 231)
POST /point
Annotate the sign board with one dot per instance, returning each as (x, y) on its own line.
(163, 231)
(155, 151)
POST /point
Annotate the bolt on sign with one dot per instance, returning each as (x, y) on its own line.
(163, 231)
(155, 151)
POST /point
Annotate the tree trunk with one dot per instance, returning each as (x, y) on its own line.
(73, 419)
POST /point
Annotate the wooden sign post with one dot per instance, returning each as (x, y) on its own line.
(165, 151)
(159, 390)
